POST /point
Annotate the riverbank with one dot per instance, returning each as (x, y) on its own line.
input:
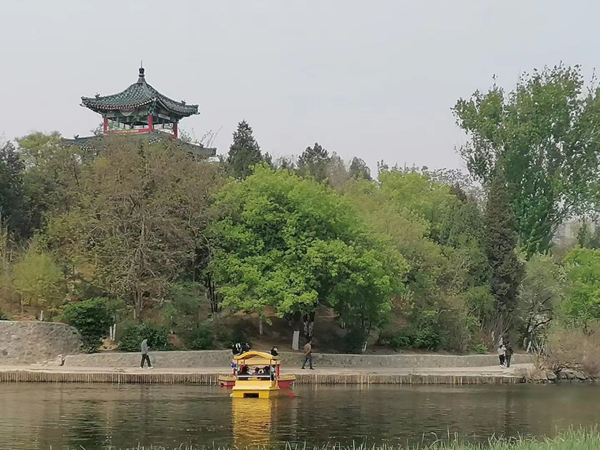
(209, 376)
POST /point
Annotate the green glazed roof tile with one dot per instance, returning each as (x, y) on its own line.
(137, 95)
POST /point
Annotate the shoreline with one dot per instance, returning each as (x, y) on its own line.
(320, 376)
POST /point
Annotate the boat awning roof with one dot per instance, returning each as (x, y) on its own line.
(253, 358)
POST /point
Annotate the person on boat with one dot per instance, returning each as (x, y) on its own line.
(502, 354)
(246, 347)
(145, 356)
(508, 353)
(236, 349)
(274, 351)
(243, 370)
(308, 355)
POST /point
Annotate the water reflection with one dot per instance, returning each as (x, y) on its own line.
(37, 416)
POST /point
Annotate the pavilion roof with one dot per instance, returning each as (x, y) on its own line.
(138, 95)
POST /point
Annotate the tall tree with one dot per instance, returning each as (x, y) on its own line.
(314, 161)
(499, 243)
(359, 169)
(138, 219)
(11, 190)
(291, 244)
(244, 152)
(545, 135)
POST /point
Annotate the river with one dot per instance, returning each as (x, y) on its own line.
(41, 416)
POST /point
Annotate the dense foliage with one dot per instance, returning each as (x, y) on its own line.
(199, 254)
(92, 318)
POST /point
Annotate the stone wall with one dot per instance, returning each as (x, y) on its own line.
(222, 358)
(36, 342)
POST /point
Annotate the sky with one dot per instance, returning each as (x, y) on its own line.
(374, 79)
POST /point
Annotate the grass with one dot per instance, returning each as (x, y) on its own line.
(571, 440)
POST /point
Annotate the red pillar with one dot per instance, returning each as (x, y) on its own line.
(175, 131)
(278, 371)
(150, 123)
(105, 127)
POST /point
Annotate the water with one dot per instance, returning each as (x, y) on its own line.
(40, 416)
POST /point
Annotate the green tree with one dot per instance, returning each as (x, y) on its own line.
(544, 136)
(541, 292)
(359, 169)
(582, 302)
(92, 318)
(291, 244)
(138, 220)
(244, 152)
(314, 162)
(500, 243)
(11, 190)
(39, 281)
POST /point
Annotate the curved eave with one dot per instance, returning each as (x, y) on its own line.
(100, 108)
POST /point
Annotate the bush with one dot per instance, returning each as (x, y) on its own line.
(424, 338)
(354, 341)
(479, 348)
(201, 338)
(571, 347)
(133, 335)
(92, 318)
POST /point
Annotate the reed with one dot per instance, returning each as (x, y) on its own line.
(571, 440)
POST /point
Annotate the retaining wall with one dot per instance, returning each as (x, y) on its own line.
(212, 379)
(222, 358)
(36, 342)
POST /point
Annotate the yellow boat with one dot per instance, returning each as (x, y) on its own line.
(255, 374)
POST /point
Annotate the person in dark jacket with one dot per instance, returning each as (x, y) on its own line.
(145, 356)
(274, 352)
(508, 354)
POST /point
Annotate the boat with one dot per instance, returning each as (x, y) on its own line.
(256, 374)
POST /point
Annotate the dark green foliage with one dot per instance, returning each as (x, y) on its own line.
(244, 152)
(201, 338)
(425, 338)
(314, 162)
(588, 238)
(12, 214)
(499, 242)
(92, 318)
(354, 340)
(359, 169)
(133, 335)
(3, 315)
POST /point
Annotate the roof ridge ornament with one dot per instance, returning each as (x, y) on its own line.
(142, 77)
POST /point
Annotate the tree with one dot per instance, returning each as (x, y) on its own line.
(500, 243)
(545, 136)
(582, 304)
(92, 318)
(11, 190)
(540, 294)
(359, 169)
(39, 280)
(139, 217)
(244, 152)
(290, 244)
(314, 162)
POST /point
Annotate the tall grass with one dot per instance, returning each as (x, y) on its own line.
(571, 440)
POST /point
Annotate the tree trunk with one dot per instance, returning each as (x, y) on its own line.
(260, 325)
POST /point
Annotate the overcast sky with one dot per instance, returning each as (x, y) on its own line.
(374, 79)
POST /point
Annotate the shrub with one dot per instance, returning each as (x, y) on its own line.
(479, 348)
(354, 341)
(571, 347)
(133, 335)
(92, 318)
(201, 338)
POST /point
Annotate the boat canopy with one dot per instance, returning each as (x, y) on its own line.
(253, 358)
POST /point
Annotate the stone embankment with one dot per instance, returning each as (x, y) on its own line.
(563, 375)
(36, 342)
(222, 358)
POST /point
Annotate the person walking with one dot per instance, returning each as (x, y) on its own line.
(508, 353)
(308, 355)
(502, 354)
(145, 356)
